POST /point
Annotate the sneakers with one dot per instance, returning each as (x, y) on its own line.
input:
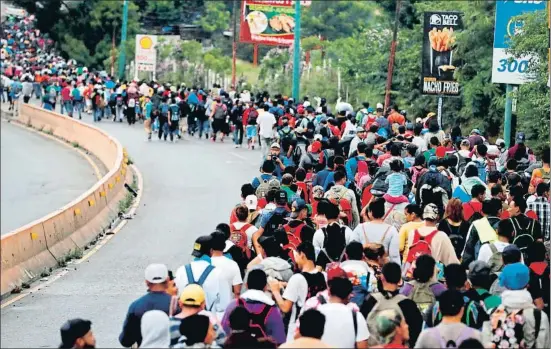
(236, 146)
(252, 146)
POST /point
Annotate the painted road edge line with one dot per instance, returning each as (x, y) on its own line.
(92, 163)
(96, 248)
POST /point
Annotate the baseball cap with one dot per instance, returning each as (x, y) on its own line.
(476, 131)
(511, 253)
(430, 212)
(360, 129)
(479, 269)
(323, 120)
(316, 147)
(298, 205)
(380, 106)
(514, 276)
(73, 330)
(500, 141)
(370, 110)
(251, 201)
(318, 137)
(156, 273)
(431, 114)
(521, 137)
(281, 197)
(299, 130)
(465, 142)
(440, 152)
(201, 246)
(192, 295)
(275, 145)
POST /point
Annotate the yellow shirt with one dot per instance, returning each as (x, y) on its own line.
(404, 234)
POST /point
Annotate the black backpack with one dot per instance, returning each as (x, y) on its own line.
(257, 326)
(274, 223)
(524, 237)
(253, 115)
(457, 240)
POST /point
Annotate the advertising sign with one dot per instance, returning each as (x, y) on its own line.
(439, 31)
(146, 52)
(505, 68)
(268, 22)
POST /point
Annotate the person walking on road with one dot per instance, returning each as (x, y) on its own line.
(77, 333)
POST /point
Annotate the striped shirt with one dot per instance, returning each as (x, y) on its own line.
(543, 210)
(396, 182)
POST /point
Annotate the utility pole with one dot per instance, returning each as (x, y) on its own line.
(234, 46)
(122, 47)
(113, 49)
(508, 115)
(392, 54)
(296, 56)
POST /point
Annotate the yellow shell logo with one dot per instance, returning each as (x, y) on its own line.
(146, 43)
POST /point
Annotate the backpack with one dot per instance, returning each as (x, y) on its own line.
(457, 240)
(131, 103)
(253, 115)
(240, 239)
(416, 173)
(297, 154)
(420, 246)
(332, 263)
(465, 334)
(306, 189)
(316, 283)
(345, 206)
(276, 221)
(546, 176)
(514, 322)
(310, 129)
(294, 238)
(219, 112)
(524, 237)
(202, 278)
(76, 94)
(119, 100)
(361, 171)
(382, 304)
(257, 326)
(422, 295)
(265, 186)
(432, 193)
(461, 164)
(496, 260)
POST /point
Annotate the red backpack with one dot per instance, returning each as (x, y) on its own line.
(306, 192)
(344, 206)
(239, 238)
(361, 171)
(421, 245)
(294, 237)
(366, 195)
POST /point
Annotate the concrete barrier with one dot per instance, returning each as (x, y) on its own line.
(40, 245)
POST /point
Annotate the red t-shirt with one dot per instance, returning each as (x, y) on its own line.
(469, 208)
(66, 93)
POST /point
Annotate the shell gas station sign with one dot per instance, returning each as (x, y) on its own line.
(146, 52)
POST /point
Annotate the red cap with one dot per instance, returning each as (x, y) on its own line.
(440, 152)
(335, 272)
(316, 147)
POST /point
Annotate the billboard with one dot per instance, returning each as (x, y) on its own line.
(146, 52)
(439, 32)
(505, 68)
(268, 22)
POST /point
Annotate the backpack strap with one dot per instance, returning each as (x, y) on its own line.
(493, 248)
(189, 274)
(429, 237)
(537, 317)
(389, 211)
(205, 274)
(327, 255)
(173, 306)
(436, 334)
(321, 299)
(384, 235)
(355, 322)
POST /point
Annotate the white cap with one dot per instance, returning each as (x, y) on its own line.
(318, 137)
(156, 273)
(380, 106)
(500, 141)
(251, 202)
(418, 121)
(306, 104)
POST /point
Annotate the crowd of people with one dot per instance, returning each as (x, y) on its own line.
(362, 228)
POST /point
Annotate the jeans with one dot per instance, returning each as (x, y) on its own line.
(26, 99)
(119, 111)
(2, 96)
(174, 128)
(48, 106)
(77, 108)
(97, 114)
(68, 106)
(37, 90)
(203, 126)
(163, 127)
(238, 131)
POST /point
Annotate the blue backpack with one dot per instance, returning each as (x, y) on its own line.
(76, 94)
(383, 132)
(481, 167)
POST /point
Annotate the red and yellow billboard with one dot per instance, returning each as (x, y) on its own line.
(268, 22)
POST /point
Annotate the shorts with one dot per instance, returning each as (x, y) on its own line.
(251, 131)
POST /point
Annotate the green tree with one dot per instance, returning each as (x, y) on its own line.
(533, 97)
(216, 17)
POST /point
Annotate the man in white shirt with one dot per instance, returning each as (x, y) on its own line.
(505, 232)
(229, 270)
(418, 140)
(360, 136)
(201, 271)
(344, 328)
(266, 122)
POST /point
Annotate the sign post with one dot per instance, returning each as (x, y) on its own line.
(507, 69)
(296, 54)
(440, 101)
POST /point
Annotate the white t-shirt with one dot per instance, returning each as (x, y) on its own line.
(486, 253)
(250, 232)
(296, 292)
(349, 236)
(266, 122)
(374, 233)
(229, 270)
(420, 143)
(339, 326)
(217, 294)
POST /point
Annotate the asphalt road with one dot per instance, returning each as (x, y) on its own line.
(38, 176)
(189, 187)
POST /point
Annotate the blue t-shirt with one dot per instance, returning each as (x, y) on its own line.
(174, 112)
(396, 182)
(148, 110)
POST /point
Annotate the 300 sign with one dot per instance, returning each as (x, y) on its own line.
(513, 66)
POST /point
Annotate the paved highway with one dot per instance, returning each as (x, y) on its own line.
(189, 187)
(38, 176)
